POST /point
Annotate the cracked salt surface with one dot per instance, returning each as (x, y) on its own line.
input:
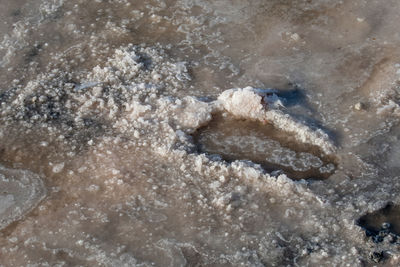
(114, 130)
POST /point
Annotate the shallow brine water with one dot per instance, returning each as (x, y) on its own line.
(199, 133)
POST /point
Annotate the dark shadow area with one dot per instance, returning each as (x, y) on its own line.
(32, 52)
(382, 224)
(292, 97)
(276, 151)
(295, 96)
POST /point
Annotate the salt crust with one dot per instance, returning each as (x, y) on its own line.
(124, 95)
(248, 103)
(133, 95)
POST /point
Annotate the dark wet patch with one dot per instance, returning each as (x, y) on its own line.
(382, 225)
(7, 94)
(16, 13)
(276, 151)
(32, 52)
(46, 107)
(377, 256)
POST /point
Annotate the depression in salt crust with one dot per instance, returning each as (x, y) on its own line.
(199, 133)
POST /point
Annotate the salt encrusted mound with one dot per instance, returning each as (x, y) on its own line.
(254, 104)
(189, 113)
(21, 191)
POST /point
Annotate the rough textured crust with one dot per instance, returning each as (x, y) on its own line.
(248, 103)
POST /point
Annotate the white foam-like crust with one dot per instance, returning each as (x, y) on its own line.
(161, 123)
(248, 103)
(189, 113)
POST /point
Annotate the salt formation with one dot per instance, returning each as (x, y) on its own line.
(233, 139)
(123, 97)
(120, 103)
(110, 127)
(248, 103)
(21, 191)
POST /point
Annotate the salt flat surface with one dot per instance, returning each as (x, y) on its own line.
(188, 133)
